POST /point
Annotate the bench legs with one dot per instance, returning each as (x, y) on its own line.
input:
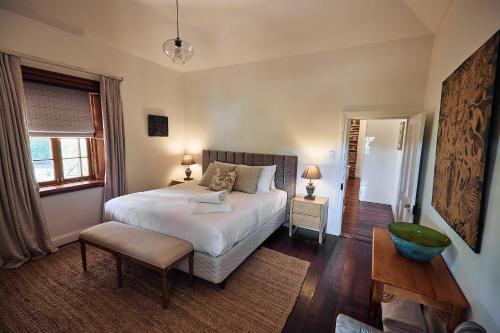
(84, 254)
(191, 271)
(119, 270)
(164, 272)
(164, 286)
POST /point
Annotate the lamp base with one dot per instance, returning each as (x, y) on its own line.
(188, 174)
(310, 190)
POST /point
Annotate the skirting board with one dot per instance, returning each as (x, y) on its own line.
(67, 237)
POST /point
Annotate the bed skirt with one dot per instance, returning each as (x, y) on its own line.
(217, 269)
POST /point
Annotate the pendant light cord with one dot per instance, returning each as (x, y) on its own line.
(177, 5)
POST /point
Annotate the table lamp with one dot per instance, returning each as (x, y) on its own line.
(188, 160)
(311, 172)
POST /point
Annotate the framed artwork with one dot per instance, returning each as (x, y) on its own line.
(157, 125)
(401, 137)
(469, 106)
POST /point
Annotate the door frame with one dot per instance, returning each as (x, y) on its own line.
(362, 112)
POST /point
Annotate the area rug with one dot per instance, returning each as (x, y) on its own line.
(54, 295)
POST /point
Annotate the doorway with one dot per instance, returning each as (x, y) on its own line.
(374, 166)
(379, 168)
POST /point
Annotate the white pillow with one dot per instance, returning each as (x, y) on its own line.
(266, 178)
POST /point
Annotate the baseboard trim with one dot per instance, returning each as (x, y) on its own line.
(67, 237)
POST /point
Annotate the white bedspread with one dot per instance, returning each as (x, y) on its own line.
(166, 211)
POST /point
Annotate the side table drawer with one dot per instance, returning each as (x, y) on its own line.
(306, 220)
(307, 208)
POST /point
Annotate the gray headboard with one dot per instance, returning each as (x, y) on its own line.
(286, 167)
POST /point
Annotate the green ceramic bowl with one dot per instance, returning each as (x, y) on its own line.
(417, 242)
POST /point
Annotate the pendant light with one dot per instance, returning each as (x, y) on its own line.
(177, 49)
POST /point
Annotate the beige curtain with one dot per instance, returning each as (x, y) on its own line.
(114, 137)
(23, 232)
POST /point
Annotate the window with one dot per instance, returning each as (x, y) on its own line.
(65, 128)
(60, 160)
(43, 160)
(74, 156)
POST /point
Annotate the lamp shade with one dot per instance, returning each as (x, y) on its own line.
(188, 160)
(311, 172)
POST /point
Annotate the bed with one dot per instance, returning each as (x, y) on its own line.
(221, 240)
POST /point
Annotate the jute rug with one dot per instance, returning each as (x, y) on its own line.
(54, 295)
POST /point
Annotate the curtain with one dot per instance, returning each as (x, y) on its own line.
(23, 231)
(114, 137)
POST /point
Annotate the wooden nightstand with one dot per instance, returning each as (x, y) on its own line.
(179, 181)
(311, 214)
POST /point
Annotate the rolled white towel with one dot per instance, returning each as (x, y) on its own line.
(212, 197)
(402, 315)
(205, 208)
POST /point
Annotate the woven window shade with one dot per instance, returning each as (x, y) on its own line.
(58, 112)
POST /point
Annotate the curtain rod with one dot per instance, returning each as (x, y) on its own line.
(59, 64)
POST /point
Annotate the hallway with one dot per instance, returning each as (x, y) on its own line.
(360, 217)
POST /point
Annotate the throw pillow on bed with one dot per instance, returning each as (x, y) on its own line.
(266, 179)
(222, 180)
(247, 179)
(209, 174)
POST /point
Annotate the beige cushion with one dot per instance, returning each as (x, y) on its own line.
(247, 179)
(209, 174)
(222, 180)
(148, 246)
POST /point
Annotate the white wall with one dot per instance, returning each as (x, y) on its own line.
(380, 162)
(360, 149)
(147, 87)
(294, 105)
(67, 214)
(466, 26)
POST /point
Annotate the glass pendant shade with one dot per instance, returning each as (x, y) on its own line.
(178, 50)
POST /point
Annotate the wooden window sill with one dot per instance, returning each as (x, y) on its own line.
(69, 187)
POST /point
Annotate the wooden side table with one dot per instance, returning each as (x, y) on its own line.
(428, 283)
(179, 181)
(175, 182)
(311, 214)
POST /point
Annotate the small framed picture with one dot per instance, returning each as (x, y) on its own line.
(157, 125)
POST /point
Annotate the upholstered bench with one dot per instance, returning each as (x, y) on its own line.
(148, 248)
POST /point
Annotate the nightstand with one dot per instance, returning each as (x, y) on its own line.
(311, 214)
(179, 181)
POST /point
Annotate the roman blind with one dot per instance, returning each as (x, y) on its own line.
(58, 112)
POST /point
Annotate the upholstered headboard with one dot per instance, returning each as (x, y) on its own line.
(286, 167)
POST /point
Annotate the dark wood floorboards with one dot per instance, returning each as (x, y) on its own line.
(338, 280)
(360, 217)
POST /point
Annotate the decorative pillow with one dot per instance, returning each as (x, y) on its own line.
(209, 174)
(219, 163)
(222, 180)
(247, 179)
(266, 178)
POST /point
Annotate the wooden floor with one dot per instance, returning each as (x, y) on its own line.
(360, 216)
(338, 280)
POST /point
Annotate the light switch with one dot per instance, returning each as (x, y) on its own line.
(332, 154)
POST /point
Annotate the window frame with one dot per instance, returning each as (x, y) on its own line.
(58, 164)
(95, 145)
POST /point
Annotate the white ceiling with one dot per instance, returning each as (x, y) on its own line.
(227, 32)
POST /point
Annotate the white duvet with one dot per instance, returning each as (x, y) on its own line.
(166, 211)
